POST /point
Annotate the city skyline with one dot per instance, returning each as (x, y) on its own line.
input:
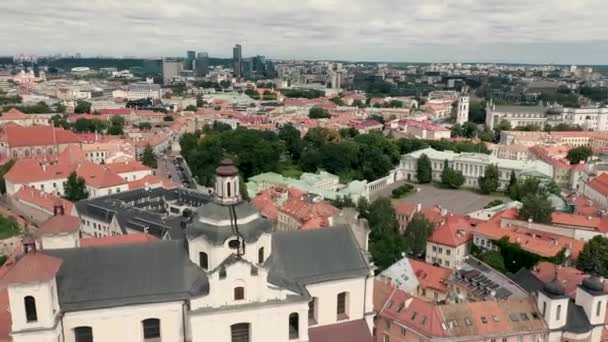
(406, 31)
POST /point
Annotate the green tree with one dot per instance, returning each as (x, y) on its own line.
(578, 154)
(145, 126)
(167, 118)
(593, 259)
(75, 188)
(424, 171)
(494, 259)
(416, 235)
(386, 244)
(200, 102)
(318, 113)
(469, 130)
(4, 169)
(59, 120)
(494, 203)
(292, 140)
(117, 123)
(452, 178)
(149, 158)
(486, 135)
(457, 131)
(488, 183)
(337, 101)
(512, 182)
(191, 108)
(536, 207)
(82, 107)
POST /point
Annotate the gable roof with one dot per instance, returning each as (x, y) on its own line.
(453, 231)
(31, 268)
(98, 277)
(600, 184)
(59, 224)
(314, 256)
(39, 136)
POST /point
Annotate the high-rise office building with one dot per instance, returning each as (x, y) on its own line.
(171, 67)
(259, 66)
(189, 62)
(247, 68)
(237, 59)
(201, 64)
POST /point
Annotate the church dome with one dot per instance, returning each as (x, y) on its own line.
(227, 169)
(593, 284)
(554, 288)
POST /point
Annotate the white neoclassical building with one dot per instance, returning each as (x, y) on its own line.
(230, 279)
(472, 166)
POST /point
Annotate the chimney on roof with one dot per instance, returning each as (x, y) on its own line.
(418, 207)
(58, 209)
(444, 211)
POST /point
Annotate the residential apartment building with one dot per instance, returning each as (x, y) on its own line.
(421, 129)
(137, 91)
(450, 241)
(512, 152)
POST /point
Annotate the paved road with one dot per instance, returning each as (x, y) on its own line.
(166, 169)
(456, 201)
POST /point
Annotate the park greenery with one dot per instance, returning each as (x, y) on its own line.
(593, 259)
(494, 203)
(8, 227)
(4, 169)
(488, 183)
(75, 188)
(318, 113)
(424, 171)
(402, 191)
(115, 126)
(533, 193)
(302, 93)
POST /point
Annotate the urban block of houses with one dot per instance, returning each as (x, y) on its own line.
(420, 129)
(292, 209)
(426, 281)
(15, 116)
(473, 165)
(227, 278)
(51, 176)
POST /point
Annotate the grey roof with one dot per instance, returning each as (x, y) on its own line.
(526, 280)
(312, 256)
(577, 321)
(141, 208)
(217, 235)
(216, 211)
(520, 109)
(98, 277)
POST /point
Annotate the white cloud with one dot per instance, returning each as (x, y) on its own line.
(397, 30)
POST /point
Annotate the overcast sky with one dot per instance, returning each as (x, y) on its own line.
(526, 31)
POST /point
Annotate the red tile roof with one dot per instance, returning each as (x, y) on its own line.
(430, 276)
(39, 136)
(404, 208)
(419, 315)
(42, 199)
(98, 176)
(535, 241)
(32, 267)
(128, 239)
(454, 231)
(600, 184)
(127, 166)
(59, 224)
(569, 277)
(13, 114)
(351, 331)
(151, 181)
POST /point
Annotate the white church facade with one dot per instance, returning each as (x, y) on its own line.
(230, 279)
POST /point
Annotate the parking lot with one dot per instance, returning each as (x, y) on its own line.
(456, 201)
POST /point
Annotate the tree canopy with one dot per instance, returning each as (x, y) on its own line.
(75, 188)
(488, 183)
(416, 234)
(386, 244)
(452, 178)
(424, 171)
(149, 158)
(578, 154)
(593, 258)
(318, 113)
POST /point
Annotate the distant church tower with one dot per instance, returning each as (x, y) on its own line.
(463, 110)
